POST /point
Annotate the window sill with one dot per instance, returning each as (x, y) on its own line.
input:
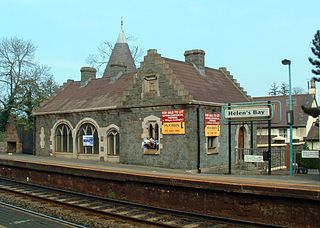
(212, 152)
(151, 152)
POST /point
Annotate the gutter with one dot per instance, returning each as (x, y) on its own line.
(192, 102)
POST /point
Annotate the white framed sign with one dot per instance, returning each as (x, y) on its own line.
(310, 154)
(253, 158)
(249, 112)
(87, 140)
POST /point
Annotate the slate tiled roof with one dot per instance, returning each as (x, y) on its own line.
(121, 54)
(313, 134)
(98, 93)
(213, 86)
(300, 118)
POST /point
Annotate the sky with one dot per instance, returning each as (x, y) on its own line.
(249, 37)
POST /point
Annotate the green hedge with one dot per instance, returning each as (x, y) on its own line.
(310, 163)
(2, 136)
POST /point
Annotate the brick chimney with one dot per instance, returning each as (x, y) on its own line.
(195, 56)
(87, 73)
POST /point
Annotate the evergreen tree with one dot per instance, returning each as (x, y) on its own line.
(314, 112)
(284, 89)
(316, 51)
(274, 89)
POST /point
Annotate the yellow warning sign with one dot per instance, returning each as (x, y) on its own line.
(212, 130)
(173, 128)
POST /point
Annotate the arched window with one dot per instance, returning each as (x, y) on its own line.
(156, 132)
(150, 131)
(151, 135)
(88, 129)
(152, 141)
(63, 139)
(113, 143)
(153, 131)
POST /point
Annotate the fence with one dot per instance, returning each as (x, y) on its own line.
(279, 159)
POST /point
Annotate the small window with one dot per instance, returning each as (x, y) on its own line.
(151, 135)
(151, 142)
(212, 144)
(283, 132)
(150, 85)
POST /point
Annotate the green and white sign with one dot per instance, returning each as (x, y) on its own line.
(249, 112)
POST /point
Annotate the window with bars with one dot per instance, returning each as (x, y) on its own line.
(63, 139)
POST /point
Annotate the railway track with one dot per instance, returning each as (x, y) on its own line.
(136, 213)
(37, 219)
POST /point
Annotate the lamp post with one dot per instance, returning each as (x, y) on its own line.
(290, 117)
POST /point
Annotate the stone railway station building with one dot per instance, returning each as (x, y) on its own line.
(126, 107)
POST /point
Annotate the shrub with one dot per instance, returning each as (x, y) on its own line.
(309, 163)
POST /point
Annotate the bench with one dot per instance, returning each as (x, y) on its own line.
(302, 170)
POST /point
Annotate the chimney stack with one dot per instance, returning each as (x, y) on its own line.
(87, 73)
(196, 57)
(313, 88)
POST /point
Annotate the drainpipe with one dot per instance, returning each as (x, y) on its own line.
(198, 139)
(34, 136)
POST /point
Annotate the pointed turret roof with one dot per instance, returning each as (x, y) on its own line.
(120, 59)
(122, 36)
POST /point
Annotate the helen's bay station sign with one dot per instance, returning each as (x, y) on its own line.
(251, 112)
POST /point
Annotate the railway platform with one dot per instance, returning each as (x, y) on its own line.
(278, 180)
(292, 201)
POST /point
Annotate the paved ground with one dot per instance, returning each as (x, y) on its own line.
(279, 179)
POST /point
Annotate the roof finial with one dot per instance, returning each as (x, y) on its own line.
(121, 37)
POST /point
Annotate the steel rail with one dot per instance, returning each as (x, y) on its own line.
(171, 212)
(41, 215)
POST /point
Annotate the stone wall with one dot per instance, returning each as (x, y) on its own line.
(12, 139)
(155, 88)
(177, 151)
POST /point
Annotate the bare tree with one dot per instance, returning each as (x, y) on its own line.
(19, 73)
(298, 90)
(100, 59)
